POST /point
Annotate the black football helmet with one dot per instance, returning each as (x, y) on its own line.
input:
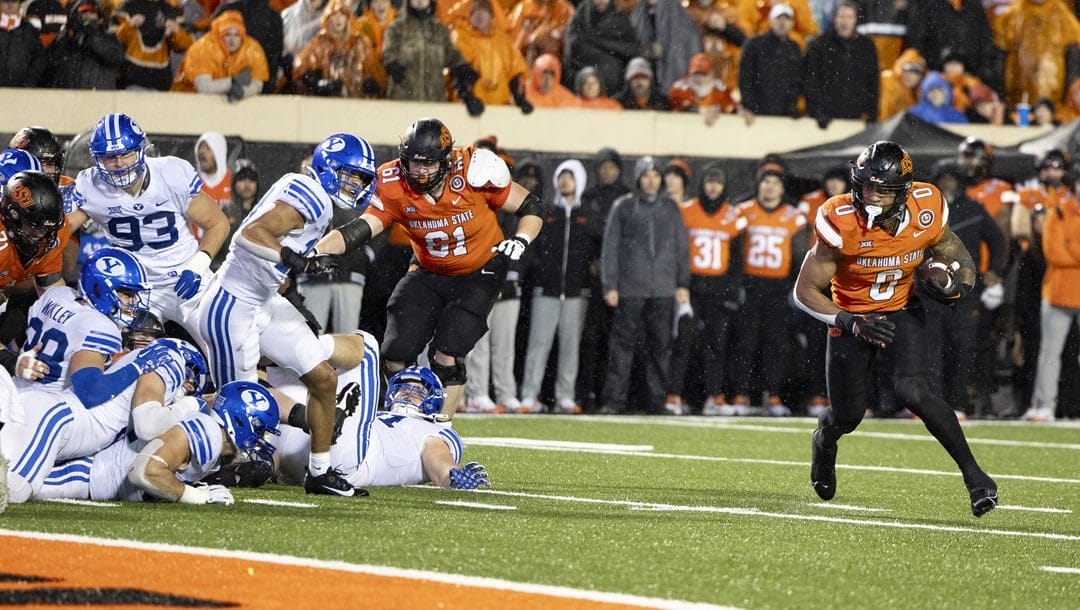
(143, 330)
(41, 143)
(32, 211)
(426, 140)
(886, 166)
(974, 156)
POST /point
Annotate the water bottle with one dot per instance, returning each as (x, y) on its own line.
(1023, 114)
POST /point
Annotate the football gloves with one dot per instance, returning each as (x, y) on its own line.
(957, 292)
(152, 356)
(313, 265)
(993, 296)
(188, 284)
(512, 248)
(873, 328)
(469, 476)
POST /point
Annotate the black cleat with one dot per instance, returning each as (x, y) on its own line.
(330, 483)
(984, 497)
(347, 401)
(822, 467)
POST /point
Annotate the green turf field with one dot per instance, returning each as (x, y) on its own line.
(701, 510)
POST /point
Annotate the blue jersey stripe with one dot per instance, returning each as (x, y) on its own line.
(195, 186)
(453, 441)
(198, 441)
(73, 470)
(99, 341)
(216, 327)
(45, 437)
(307, 199)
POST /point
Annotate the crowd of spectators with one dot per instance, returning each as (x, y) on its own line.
(995, 62)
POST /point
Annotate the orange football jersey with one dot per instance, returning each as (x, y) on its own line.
(453, 235)
(11, 268)
(877, 270)
(710, 236)
(767, 245)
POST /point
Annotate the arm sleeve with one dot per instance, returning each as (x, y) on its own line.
(94, 386)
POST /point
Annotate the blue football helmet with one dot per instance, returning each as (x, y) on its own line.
(15, 160)
(415, 391)
(115, 135)
(345, 167)
(196, 370)
(108, 271)
(247, 411)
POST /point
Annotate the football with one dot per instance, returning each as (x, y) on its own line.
(936, 273)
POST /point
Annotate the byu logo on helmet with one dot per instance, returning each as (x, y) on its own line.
(335, 144)
(255, 400)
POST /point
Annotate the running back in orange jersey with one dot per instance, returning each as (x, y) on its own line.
(453, 235)
(877, 269)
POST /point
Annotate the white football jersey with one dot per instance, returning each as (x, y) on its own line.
(254, 280)
(64, 326)
(108, 472)
(152, 224)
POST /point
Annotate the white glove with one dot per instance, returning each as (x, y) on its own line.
(992, 296)
(512, 248)
(219, 494)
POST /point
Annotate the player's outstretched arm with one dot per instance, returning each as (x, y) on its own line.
(154, 471)
(351, 235)
(207, 215)
(817, 270)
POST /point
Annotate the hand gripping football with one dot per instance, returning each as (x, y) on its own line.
(935, 276)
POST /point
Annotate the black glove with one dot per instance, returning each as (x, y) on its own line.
(328, 87)
(244, 77)
(236, 91)
(463, 76)
(823, 122)
(873, 328)
(519, 96)
(314, 265)
(472, 104)
(957, 292)
(370, 86)
(396, 71)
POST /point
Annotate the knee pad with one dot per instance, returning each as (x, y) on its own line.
(450, 375)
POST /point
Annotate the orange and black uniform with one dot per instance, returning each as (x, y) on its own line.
(876, 274)
(769, 257)
(456, 279)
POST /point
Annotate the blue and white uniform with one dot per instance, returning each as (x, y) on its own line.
(152, 224)
(103, 476)
(241, 316)
(64, 326)
(57, 427)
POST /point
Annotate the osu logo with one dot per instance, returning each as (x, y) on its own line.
(445, 140)
(22, 196)
(906, 166)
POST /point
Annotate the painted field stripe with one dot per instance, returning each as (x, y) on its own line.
(1060, 570)
(280, 503)
(1035, 509)
(93, 503)
(420, 575)
(532, 443)
(753, 512)
(476, 505)
(858, 509)
(797, 426)
(854, 467)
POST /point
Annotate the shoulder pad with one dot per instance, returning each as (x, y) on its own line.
(485, 167)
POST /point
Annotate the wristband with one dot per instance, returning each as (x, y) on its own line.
(523, 237)
(200, 262)
(194, 495)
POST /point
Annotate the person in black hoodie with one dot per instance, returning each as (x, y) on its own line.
(23, 60)
(86, 55)
(558, 267)
(840, 71)
(716, 293)
(600, 36)
(596, 202)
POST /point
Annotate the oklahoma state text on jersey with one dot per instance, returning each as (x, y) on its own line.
(11, 268)
(453, 235)
(877, 270)
(710, 236)
(767, 245)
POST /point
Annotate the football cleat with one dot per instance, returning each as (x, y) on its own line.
(330, 483)
(823, 467)
(983, 492)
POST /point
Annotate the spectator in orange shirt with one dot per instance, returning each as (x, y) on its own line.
(490, 52)
(1070, 110)
(225, 61)
(539, 27)
(721, 39)
(212, 163)
(590, 89)
(372, 23)
(150, 32)
(900, 85)
(701, 92)
(544, 88)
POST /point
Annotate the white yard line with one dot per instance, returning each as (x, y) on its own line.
(476, 505)
(93, 503)
(1035, 509)
(450, 579)
(754, 512)
(1060, 570)
(280, 503)
(857, 509)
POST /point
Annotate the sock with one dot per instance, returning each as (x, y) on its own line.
(319, 463)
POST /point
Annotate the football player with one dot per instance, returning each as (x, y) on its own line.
(445, 198)
(33, 232)
(58, 427)
(147, 206)
(233, 429)
(242, 317)
(41, 143)
(869, 243)
(410, 443)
